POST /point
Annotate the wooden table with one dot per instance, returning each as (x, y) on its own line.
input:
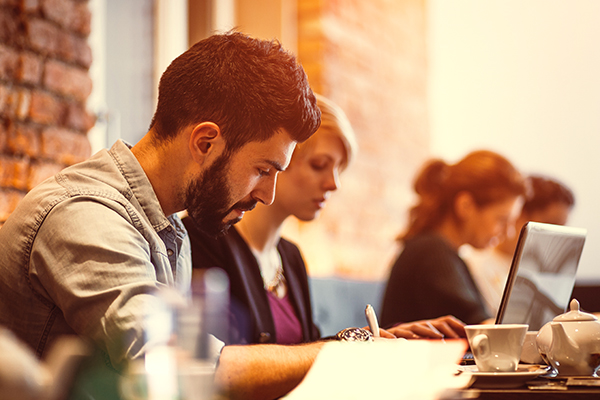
(537, 389)
(527, 394)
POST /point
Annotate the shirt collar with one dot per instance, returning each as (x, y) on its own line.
(139, 184)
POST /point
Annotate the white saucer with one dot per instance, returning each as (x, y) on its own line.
(524, 373)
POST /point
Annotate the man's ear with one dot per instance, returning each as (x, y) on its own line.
(464, 205)
(205, 140)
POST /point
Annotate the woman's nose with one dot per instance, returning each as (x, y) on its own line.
(332, 181)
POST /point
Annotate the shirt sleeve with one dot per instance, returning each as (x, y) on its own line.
(97, 268)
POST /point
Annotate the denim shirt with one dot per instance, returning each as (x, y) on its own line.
(85, 252)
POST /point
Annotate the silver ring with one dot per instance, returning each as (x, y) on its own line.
(354, 335)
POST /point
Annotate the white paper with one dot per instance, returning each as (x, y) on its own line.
(386, 369)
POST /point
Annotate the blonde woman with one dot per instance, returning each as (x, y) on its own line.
(268, 280)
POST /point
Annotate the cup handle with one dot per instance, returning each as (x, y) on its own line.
(481, 347)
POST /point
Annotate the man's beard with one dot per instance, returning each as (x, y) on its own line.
(207, 199)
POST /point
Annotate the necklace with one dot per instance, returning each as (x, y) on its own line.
(269, 263)
(278, 280)
(276, 284)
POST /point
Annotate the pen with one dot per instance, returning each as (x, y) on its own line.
(372, 320)
(434, 329)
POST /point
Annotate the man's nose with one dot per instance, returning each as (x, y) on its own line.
(265, 190)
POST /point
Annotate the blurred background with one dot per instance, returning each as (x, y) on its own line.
(417, 78)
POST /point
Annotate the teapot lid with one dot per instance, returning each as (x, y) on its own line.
(575, 314)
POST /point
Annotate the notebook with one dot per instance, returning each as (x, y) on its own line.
(542, 274)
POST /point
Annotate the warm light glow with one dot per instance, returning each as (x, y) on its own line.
(161, 370)
(524, 83)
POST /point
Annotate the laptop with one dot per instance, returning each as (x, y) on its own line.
(542, 274)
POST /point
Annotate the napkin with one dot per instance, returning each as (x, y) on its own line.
(387, 368)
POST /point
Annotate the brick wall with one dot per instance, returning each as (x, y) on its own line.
(44, 84)
(370, 58)
(367, 56)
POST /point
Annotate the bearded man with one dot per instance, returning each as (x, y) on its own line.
(87, 250)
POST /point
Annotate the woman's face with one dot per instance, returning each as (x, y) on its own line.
(488, 225)
(304, 187)
(555, 213)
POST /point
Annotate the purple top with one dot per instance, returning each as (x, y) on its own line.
(287, 326)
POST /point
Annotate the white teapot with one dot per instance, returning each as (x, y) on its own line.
(570, 343)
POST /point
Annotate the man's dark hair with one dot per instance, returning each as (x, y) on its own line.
(251, 88)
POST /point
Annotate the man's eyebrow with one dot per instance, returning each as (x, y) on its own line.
(276, 165)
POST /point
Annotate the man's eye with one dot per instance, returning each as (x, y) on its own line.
(262, 172)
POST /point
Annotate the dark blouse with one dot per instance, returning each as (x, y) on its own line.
(251, 319)
(430, 280)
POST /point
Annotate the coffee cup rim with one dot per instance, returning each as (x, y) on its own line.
(496, 326)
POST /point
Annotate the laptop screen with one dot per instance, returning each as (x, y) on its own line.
(542, 274)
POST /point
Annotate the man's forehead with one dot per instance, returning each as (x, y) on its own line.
(276, 151)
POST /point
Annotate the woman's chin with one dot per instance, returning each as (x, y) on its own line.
(307, 217)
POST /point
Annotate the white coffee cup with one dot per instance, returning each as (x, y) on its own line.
(496, 348)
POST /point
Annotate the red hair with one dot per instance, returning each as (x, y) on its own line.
(487, 176)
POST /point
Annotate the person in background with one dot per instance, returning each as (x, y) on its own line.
(89, 251)
(473, 202)
(549, 201)
(269, 284)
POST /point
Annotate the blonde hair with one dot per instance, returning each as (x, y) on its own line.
(333, 120)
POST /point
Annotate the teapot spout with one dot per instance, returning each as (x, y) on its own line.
(561, 342)
(566, 355)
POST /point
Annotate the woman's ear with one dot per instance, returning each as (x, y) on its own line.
(464, 205)
(205, 139)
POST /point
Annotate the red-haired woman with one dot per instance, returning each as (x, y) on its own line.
(472, 201)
